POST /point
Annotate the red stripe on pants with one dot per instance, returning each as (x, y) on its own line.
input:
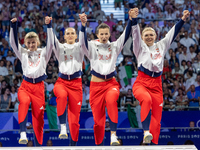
(73, 90)
(34, 93)
(103, 94)
(148, 91)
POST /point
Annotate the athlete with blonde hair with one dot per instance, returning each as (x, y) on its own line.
(34, 61)
(148, 85)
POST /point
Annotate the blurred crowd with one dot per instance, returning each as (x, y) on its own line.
(181, 73)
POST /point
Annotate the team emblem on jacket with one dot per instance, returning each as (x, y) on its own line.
(157, 49)
(156, 56)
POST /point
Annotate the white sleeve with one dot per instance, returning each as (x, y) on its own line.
(136, 40)
(50, 41)
(14, 40)
(57, 46)
(124, 37)
(83, 42)
(171, 35)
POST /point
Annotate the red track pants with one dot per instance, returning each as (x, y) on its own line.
(71, 89)
(103, 94)
(148, 91)
(34, 94)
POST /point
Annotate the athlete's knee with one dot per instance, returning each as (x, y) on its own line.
(148, 101)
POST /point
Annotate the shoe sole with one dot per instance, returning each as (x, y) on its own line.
(115, 144)
(23, 141)
(63, 136)
(147, 139)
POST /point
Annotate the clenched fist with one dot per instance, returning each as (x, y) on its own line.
(186, 14)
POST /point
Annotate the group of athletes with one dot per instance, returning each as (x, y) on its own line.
(104, 89)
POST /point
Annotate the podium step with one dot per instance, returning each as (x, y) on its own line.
(157, 147)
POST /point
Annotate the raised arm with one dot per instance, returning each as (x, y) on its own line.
(136, 35)
(56, 44)
(14, 39)
(50, 38)
(83, 35)
(127, 32)
(173, 32)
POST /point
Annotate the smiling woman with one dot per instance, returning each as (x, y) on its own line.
(149, 36)
(147, 88)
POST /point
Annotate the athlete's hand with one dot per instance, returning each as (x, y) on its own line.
(83, 18)
(48, 19)
(186, 14)
(13, 20)
(134, 12)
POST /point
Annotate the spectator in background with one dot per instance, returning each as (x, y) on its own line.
(172, 106)
(10, 57)
(1, 145)
(85, 93)
(9, 67)
(120, 27)
(192, 126)
(166, 98)
(173, 60)
(99, 14)
(187, 41)
(197, 82)
(194, 98)
(107, 126)
(5, 19)
(184, 55)
(118, 4)
(30, 143)
(192, 54)
(71, 14)
(170, 143)
(109, 23)
(169, 54)
(120, 142)
(183, 66)
(5, 99)
(113, 19)
(176, 86)
(166, 69)
(181, 100)
(4, 47)
(3, 69)
(176, 71)
(89, 29)
(189, 142)
(191, 78)
(196, 64)
(129, 100)
(14, 99)
(49, 143)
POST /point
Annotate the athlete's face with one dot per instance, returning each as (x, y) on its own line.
(70, 35)
(103, 35)
(149, 37)
(31, 44)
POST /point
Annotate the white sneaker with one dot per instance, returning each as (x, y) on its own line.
(147, 137)
(113, 140)
(63, 132)
(23, 139)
